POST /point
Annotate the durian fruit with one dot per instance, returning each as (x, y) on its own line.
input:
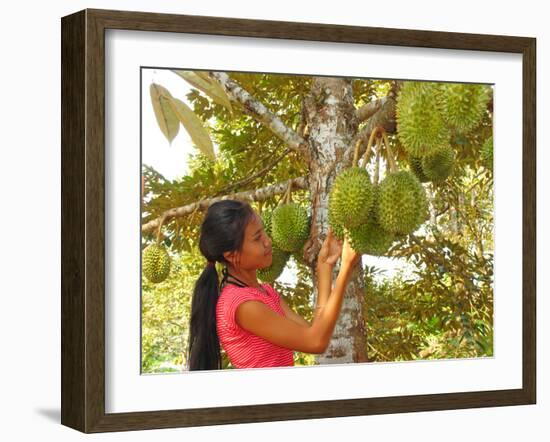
(290, 227)
(266, 220)
(487, 154)
(438, 165)
(415, 164)
(369, 238)
(271, 273)
(402, 206)
(155, 263)
(351, 198)
(420, 125)
(423, 209)
(463, 105)
(337, 229)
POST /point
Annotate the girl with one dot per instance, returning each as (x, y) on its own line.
(254, 325)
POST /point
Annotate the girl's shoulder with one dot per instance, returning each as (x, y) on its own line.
(232, 296)
(270, 289)
(233, 290)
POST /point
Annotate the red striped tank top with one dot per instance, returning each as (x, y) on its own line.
(245, 349)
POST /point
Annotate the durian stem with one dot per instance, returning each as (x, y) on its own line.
(366, 156)
(377, 165)
(163, 218)
(177, 234)
(390, 157)
(288, 197)
(356, 153)
(369, 145)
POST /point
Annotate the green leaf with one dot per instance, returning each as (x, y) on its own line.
(193, 125)
(166, 118)
(208, 85)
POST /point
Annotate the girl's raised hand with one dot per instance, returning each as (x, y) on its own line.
(330, 250)
(349, 256)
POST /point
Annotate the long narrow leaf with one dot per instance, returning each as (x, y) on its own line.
(167, 120)
(193, 125)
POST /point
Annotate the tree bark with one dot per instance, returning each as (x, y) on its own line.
(332, 122)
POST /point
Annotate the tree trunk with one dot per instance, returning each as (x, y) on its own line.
(332, 125)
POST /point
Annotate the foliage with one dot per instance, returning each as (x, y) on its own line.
(445, 311)
(165, 314)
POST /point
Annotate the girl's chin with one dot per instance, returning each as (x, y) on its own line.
(269, 260)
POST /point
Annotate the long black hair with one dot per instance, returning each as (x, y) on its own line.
(222, 230)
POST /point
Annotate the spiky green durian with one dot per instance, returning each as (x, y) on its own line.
(350, 198)
(487, 154)
(155, 263)
(290, 227)
(415, 164)
(423, 209)
(370, 238)
(266, 220)
(420, 125)
(337, 229)
(463, 105)
(278, 263)
(402, 203)
(373, 214)
(438, 165)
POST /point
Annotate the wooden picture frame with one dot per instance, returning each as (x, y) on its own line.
(83, 220)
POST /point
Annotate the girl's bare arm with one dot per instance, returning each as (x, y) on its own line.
(257, 318)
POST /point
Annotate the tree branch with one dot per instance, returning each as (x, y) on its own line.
(259, 112)
(368, 110)
(249, 195)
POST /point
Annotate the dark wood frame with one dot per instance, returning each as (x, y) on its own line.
(83, 220)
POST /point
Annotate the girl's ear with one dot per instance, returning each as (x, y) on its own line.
(230, 257)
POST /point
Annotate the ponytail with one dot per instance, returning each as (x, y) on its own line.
(204, 345)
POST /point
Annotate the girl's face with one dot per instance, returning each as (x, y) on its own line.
(256, 250)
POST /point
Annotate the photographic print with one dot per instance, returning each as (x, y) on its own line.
(299, 220)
